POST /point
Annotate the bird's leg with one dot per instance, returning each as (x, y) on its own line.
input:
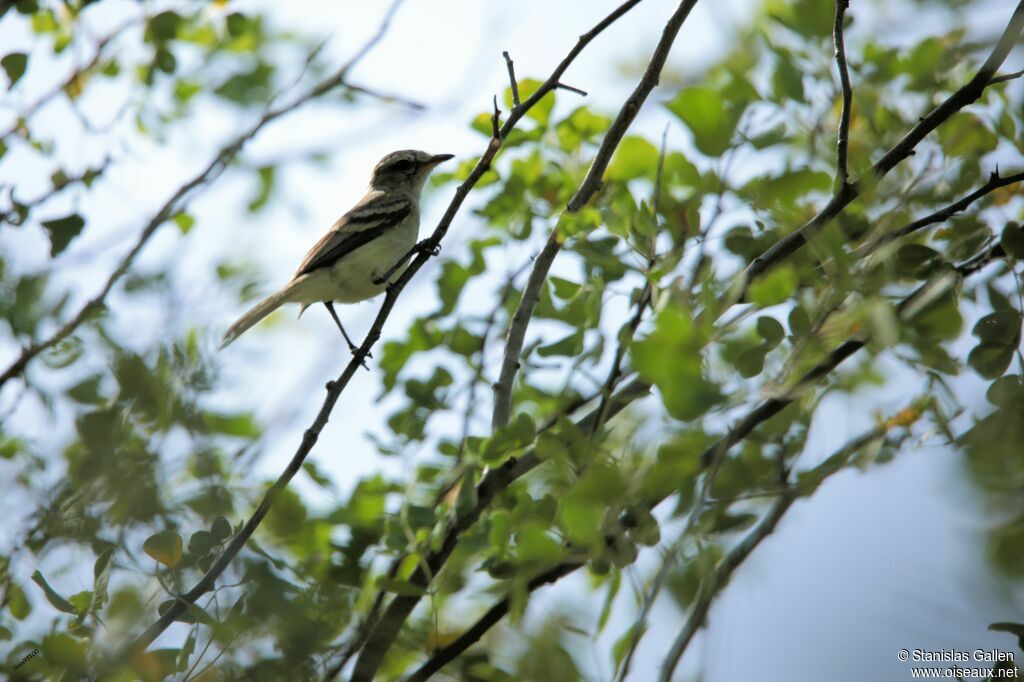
(419, 248)
(351, 346)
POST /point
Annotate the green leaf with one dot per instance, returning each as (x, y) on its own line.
(775, 287)
(14, 65)
(609, 599)
(186, 651)
(571, 345)
(165, 546)
(917, 260)
(670, 358)
(64, 651)
(81, 601)
(990, 361)
(163, 27)
(541, 111)
(1006, 391)
(62, 230)
(533, 544)
(707, 114)
(17, 603)
(1001, 328)
(58, 602)
(634, 158)
(221, 529)
(201, 542)
(964, 134)
(101, 578)
(1012, 240)
(402, 587)
(750, 362)
(769, 329)
(184, 221)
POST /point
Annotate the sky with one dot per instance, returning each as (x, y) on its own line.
(875, 562)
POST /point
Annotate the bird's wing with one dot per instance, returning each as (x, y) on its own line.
(366, 221)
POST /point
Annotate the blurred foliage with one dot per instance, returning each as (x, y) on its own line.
(151, 474)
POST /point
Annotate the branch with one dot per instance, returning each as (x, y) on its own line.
(843, 138)
(335, 388)
(489, 619)
(173, 204)
(713, 583)
(994, 182)
(735, 434)
(586, 190)
(492, 484)
(449, 653)
(512, 78)
(966, 95)
(720, 576)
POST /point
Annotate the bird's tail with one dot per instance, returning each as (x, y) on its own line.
(257, 313)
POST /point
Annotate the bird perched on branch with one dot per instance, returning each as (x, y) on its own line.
(357, 256)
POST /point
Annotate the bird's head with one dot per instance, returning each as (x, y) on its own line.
(405, 170)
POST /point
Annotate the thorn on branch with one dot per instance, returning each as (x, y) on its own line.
(512, 79)
(571, 88)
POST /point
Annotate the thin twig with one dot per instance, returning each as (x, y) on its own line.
(570, 88)
(1007, 77)
(511, 78)
(591, 183)
(451, 651)
(995, 181)
(173, 204)
(843, 138)
(68, 82)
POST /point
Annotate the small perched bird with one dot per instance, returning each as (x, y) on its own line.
(352, 262)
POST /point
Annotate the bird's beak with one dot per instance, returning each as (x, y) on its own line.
(438, 158)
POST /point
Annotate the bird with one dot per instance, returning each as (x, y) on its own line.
(363, 248)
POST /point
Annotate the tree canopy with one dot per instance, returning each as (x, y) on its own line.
(614, 377)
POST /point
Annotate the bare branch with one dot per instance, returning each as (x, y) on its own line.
(1007, 77)
(173, 204)
(512, 78)
(843, 138)
(586, 190)
(570, 88)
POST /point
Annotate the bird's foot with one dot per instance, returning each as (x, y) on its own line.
(426, 247)
(354, 350)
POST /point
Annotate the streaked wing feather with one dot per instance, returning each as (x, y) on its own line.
(364, 223)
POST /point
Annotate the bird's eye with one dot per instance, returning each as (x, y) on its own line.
(403, 166)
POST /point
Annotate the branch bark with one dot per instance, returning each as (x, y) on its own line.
(175, 202)
(843, 138)
(591, 183)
